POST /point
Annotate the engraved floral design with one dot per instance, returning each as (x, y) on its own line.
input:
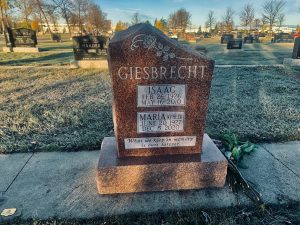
(164, 52)
(150, 42)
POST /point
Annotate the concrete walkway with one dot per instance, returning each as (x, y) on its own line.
(44, 185)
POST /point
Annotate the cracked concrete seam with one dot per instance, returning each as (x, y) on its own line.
(27, 161)
(266, 149)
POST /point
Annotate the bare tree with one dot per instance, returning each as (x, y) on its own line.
(247, 15)
(65, 8)
(3, 24)
(256, 23)
(271, 11)
(211, 20)
(96, 19)
(53, 15)
(6, 5)
(228, 19)
(40, 4)
(281, 19)
(25, 8)
(81, 9)
(263, 24)
(135, 18)
(180, 19)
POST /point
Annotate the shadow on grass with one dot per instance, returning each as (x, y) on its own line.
(57, 47)
(45, 60)
(259, 104)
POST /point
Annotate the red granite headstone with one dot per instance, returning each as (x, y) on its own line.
(160, 99)
(160, 93)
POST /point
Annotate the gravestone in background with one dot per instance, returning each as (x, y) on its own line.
(225, 38)
(295, 60)
(90, 51)
(89, 47)
(160, 101)
(249, 39)
(56, 37)
(21, 40)
(235, 44)
(282, 37)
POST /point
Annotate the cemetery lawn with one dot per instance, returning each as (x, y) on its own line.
(60, 54)
(70, 110)
(251, 54)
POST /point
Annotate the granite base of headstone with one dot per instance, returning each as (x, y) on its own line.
(89, 64)
(90, 52)
(235, 44)
(159, 173)
(160, 100)
(295, 60)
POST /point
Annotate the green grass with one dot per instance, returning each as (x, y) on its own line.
(275, 215)
(53, 110)
(69, 110)
(36, 59)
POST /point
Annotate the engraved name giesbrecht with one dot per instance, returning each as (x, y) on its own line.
(162, 72)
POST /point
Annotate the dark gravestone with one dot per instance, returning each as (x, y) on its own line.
(226, 38)
(296, 50)
(239, 35)
(56, 37)
(283, 37)
(89, 47)
(21, 37)
(248, 39)
(235, 44)
(207, 35)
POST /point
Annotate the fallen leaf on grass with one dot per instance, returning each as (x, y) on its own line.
(8, 212)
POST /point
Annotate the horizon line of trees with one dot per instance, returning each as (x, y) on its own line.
(88, 16)
(180, 20)
(81, 15)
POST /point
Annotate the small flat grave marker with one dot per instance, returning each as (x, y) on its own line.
(235, 44)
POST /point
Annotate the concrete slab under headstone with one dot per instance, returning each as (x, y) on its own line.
(159, 173)
(6, 49)
(10, 166)
(63, 185)
(89, 64)
(291, 62)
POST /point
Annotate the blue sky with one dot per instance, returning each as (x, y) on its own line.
(151, 9)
